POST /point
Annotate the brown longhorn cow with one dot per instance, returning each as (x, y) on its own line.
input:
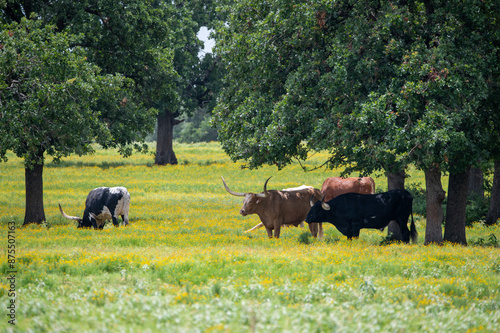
(279, 208)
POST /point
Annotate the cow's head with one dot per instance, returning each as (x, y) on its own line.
(252, 201)
(82, 223)
(318, 212)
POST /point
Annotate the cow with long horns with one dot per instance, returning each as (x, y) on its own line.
(279, 208)
(103, 203)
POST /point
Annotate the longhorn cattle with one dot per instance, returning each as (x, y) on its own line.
(351, 212)
(260, 225)
(103, 203)
(335, 186)
(279, 208)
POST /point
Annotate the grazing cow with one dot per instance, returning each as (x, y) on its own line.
(351, 212)
(103, 203)
(335, 186)
(279, 208)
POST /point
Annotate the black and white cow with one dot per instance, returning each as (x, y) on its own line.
(103, 203)
(351, 212)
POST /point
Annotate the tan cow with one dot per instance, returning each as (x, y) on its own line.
(278, 208)
(335, 186)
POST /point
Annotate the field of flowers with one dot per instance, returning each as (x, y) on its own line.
(184, 264)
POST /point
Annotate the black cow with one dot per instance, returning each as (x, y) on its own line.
(351, 212)
(103, 203)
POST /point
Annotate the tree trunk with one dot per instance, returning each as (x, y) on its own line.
(454, 229)
(494, 211)
(435, 196)
(164, 148)
(34, 194)
(476, 180)
(395, 181)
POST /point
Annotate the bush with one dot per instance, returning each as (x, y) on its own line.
(305, 238)
(419, 201)
(477, 208)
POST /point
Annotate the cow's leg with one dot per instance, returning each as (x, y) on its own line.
(94, 223)
(313, 227)
(115, 221)
(125, 219)
(277, 229)
(320, 231)
(355, 232)
(405, 232)
(269, 232)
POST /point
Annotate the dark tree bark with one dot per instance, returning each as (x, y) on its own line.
(164, 141)
(454, 229)
(494, 211)
(395, 181)
(34, 194)
(476, 180)
(435, 196)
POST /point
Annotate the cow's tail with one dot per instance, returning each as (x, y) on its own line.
(413, 230)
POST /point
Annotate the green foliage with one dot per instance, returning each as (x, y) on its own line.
(305, 238)
(195, 129)
(492, 240)
(419, 200)
(54, 101)
(152, 42)
(477, 208)
(378, 84)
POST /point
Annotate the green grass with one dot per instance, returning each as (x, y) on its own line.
(185, 264)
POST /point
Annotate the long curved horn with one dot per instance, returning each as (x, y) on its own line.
(232, 192)
(260, 225)
(311, 200)
(260, 195)
(67, 216)
(324, 204)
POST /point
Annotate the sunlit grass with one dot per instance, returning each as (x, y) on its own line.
(185, 264)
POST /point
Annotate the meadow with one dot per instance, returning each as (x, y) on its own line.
(184, 264)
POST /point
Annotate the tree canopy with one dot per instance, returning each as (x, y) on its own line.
(54, 101)
(152, 42)
(379, 84)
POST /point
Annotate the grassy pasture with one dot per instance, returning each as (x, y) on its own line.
(185, 265)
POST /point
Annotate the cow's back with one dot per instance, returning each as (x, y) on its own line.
(387, 204)
(335, 186)
(293, 205)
